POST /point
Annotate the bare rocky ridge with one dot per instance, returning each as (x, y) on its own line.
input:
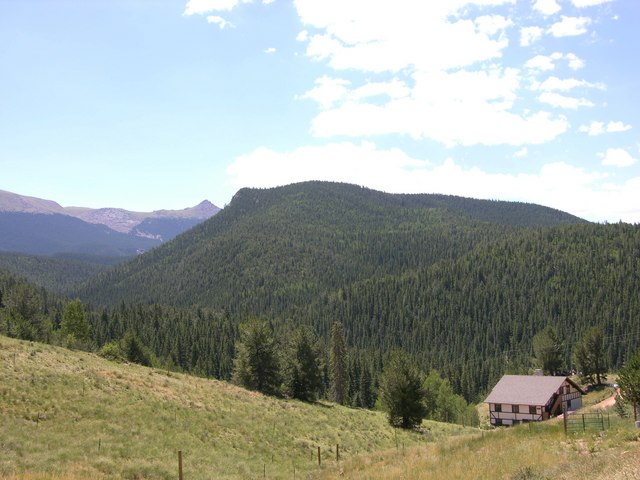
(118, 219)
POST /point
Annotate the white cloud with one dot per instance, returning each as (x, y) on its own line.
(530, 35)
(221, 22)
(328, 91)
(562, 101)
(575, 63)
(570, 26)
(523, 152)
(492, 24)
(548, 62)
(598, 128)
(270, 50)
(199, 7)
(564, 84)
(595, 129)
(460, 108)
(588, 3)
(364, 36)
(547, 7)
(303, 36)
(613, 127)
(540, 62)
(195, 7)
(588, 194)
(617, 157)
(361, 164)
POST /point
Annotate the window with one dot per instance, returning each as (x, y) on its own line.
(498, 422)
(533, 410)
(515, 408)
(498, 407)
(567, 390)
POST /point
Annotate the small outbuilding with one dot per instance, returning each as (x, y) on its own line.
(531, 398)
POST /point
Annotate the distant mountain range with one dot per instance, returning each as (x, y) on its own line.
(43, 227)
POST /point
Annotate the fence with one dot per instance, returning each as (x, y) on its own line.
(582, 422)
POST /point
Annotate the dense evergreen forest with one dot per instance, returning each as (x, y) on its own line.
(462, 285)
(58, 273)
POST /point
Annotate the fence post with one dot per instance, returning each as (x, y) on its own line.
(180, 465)
(584, 426)
(319, 456)
(337, 452)
(564, 418)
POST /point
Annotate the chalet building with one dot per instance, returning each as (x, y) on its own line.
(531, 398)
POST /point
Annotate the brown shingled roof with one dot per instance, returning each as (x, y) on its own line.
(525, 389)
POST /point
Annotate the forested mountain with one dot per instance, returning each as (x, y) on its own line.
(271, 250)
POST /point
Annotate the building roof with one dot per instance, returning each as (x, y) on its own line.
(526, 389)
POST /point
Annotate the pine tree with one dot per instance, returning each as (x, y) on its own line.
(402, 391)
(338, 377)
(303, 373)
(589, 356)
(367, 395)
(548, 350)
(74, 326)
(256, 365)
(629, 381)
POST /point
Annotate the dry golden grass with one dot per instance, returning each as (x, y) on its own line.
(534, 452)
(66, 414)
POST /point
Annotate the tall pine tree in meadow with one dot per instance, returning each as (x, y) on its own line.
(302, 368)
(256, 365)
(338, 364)
(402, 391)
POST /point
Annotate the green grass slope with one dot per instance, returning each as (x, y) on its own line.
(533, 452)
(67, 414)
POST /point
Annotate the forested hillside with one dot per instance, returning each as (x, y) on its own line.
(461, 284)
(58, 273)
(270, 250)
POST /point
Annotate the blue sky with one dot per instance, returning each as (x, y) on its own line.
(150, 104)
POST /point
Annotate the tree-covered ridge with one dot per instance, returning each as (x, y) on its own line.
(59, 273)
(279, 247)
(474, 318)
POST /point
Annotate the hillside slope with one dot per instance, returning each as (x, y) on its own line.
(67, 414)
(289, 245)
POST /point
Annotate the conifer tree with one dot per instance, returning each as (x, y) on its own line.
(548, 350)
(256, 365)
(338, 364)
(402, 392)
(629, 381)
(303, 373)
(589, 356)
(74, 326)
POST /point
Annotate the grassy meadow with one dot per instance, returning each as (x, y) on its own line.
(536, 451)
(68, 414)
(72, 415)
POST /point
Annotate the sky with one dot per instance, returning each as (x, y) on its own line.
(154, 104)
